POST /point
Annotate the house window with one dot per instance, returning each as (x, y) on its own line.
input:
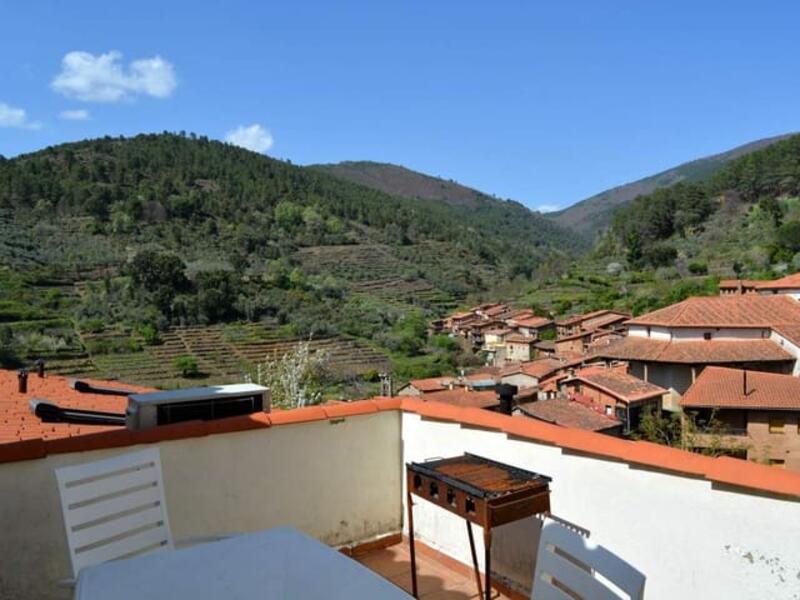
(777, 424)
(777, 462)
(707, 335)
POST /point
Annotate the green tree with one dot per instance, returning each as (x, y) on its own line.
(186, 366)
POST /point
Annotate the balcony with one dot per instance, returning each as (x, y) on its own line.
(696, 526)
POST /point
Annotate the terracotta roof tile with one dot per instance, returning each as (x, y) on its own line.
(518, 338)
(541, 367)
(693, 352)
(789, 282)
(734, 283)
(17, 422)
(464, 397)
(568, 413)
(719, 387)
(577, 319)
(621, 385)
(751, 310)
(533, 322)
(431, 384)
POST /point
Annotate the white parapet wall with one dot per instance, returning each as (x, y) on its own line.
(338, 480)
(691, 538)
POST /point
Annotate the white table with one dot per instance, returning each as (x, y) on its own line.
(280, 563)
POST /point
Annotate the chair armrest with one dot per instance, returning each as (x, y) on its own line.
(194, 540)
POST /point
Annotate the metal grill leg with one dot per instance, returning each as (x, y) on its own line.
(474, 559)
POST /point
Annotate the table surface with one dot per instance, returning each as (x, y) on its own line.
(278, 563)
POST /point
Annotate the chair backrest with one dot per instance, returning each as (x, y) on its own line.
(114, 508)
(568, 566)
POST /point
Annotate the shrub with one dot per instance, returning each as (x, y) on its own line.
(186, 366)
(150, 334)
(696, 268)
(660, 255)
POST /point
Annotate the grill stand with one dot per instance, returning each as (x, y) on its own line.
(528, 494)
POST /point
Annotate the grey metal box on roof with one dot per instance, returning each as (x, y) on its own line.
(201, 403)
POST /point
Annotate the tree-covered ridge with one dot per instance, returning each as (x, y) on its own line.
(128, 184)
(594, 214)
(107, 245)
(645, 227)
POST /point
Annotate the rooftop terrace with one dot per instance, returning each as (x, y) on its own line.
(698, 527)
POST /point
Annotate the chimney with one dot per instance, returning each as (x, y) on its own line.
(39, 367)
(506, 392)
(22, 376)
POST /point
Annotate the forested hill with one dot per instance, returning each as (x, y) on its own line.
(743, 219)
(127, 185)
(400, 181)
(486, 211)
(594, 214)
(115, 237)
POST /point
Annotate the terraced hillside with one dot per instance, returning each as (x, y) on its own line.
(224, 354)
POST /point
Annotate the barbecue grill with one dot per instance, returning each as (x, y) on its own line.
(481, 491)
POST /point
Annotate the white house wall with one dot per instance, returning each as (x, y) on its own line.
(690, 538)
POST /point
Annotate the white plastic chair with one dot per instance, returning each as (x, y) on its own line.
(568, 561)
(114, 508)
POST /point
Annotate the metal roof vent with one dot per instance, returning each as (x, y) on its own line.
(204, 403)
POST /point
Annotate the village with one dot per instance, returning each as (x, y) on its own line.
(725, 368)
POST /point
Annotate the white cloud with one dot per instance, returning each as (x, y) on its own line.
(11, 116)
(546, 208)
(252, 137)
(80, 114)
(103, 78)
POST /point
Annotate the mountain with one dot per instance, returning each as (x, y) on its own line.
(132, 237)
(400, 181)
(594, 213)
(505, 217)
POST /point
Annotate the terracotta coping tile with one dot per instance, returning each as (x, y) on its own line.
(732, 471)
(92, 441)
(174, 431)
(723, 470)
(666, 458)
(298, 415)
(23, 450)
(386, 403)
(241, 423)
(349, 409)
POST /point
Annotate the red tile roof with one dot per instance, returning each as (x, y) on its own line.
(17, 422)
(431, 384)
(464, 397)
(694, 352)
(521, 314)
(577, 319)
(789, 282)
(569, 413)
(735, 283)
(623, 386)
(518, 338)
(533, 322)
(751, 310)
(719, 387)
(541, 367)
(496, 310)
(730, 471)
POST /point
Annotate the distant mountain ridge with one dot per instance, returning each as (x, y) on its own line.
(594, 213)
(400, 181)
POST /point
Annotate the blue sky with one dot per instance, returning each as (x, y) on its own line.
(542, 102)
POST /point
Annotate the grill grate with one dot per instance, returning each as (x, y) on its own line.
(480, 477)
